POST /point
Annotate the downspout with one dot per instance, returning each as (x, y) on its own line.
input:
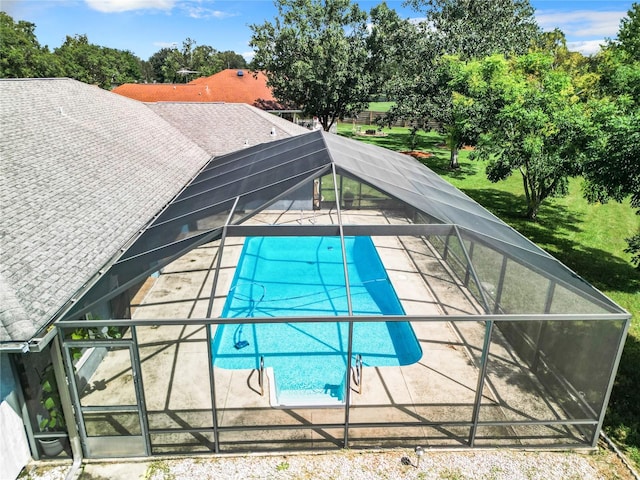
(67, 409)
(23, 409)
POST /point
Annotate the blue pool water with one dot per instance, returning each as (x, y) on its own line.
(303, 276)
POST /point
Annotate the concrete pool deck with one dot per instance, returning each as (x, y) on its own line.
(438, 391)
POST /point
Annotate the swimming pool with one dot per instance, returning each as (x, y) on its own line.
(304, 276)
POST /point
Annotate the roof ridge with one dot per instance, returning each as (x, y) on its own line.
(36, 79)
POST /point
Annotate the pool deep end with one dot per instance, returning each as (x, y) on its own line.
(304, 276)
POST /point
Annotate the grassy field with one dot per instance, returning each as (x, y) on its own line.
(380, 106)
(588, 238)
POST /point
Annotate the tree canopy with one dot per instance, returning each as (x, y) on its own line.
(315, 56)
(612, 168)
(469, 29)
(533, 121)
(387, 45)
(21, 56)
(477, 28)
(190, 61)
(102, 66)
(170, 65)
(629, 34)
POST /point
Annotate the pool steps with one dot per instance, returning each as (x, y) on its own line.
(301, 398)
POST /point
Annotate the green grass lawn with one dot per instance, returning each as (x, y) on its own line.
(380, 106)
(588, 238)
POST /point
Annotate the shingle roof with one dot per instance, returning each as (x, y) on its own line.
(83, 170)
(243, 125)
(225, 86)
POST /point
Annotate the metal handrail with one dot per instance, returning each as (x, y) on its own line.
(357, 373)
(261, 376)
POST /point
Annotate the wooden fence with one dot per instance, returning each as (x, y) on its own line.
(369, 117)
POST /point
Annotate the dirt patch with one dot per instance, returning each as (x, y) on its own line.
(418, 154)
(464, 147)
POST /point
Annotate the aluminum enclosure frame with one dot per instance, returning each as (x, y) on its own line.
(342, 159)
(347, 426)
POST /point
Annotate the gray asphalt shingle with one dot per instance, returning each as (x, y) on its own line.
(243, 123)
(82, 171)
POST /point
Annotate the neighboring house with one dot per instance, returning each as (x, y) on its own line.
(165, 92)
(83, 171)
(228, 86)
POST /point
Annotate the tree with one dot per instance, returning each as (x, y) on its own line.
(156, 62)
(468, 29)
(315, 56)
(230, 59)
(554, 43)
(147, 73)
(203, 60)
(477, 28)
(21, 56)
(612, 169)
(629, 33)
(580, 68)
(387, 44)
(534, 122)
(93, 64)
(206, 60)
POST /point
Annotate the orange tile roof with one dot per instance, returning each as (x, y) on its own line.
(225, 86)
(165, 92)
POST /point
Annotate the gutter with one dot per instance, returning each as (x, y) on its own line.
(35, 345)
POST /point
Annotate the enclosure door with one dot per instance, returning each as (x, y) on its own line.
(108, 399)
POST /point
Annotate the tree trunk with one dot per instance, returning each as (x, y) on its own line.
(532, 211)
(326, 121)
(453, 162)
(531, 196)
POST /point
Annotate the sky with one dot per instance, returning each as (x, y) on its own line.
(145, 26)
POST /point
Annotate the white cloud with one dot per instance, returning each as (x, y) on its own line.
(11, 7)
(197, 11)
(582, 23)
(586, 47)
(166, 44)
(28, 10)
(193, 9)
(111, 6)
(248, 56)
(417, 20)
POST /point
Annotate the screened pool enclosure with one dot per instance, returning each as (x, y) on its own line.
(316, 292)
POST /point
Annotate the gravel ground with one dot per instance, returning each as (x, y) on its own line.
(355, 466)
(359, 465)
